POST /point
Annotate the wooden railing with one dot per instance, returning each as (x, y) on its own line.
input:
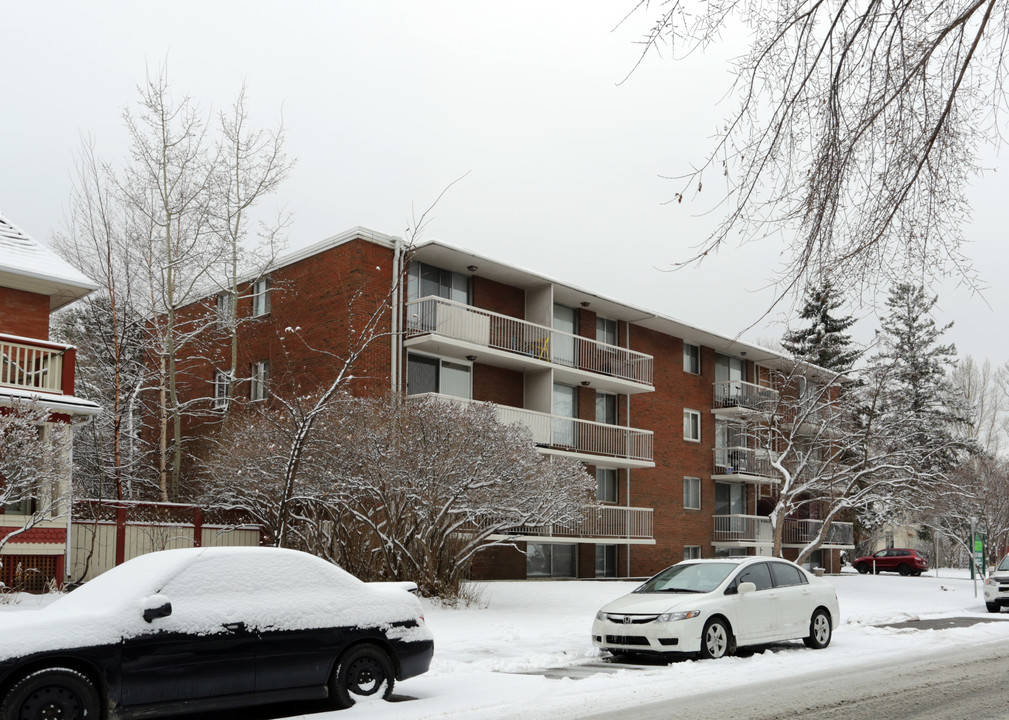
(30, 366)
(564, 433)
(501, 332)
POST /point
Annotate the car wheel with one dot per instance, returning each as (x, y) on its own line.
(819, 631)
(52, 693)
(993, 607)
(904, 569)
(363, 671)
(917, 573)
(717, 640)
(862, 568)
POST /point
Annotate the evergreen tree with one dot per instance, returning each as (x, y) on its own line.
(823, 341)
(917, 386)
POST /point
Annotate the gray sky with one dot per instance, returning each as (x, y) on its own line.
(386, 102)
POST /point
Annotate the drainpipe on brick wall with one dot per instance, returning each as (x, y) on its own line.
(397, 302)
(627, 420)
(70, 504)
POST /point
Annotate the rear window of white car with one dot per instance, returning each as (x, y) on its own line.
(785, 575)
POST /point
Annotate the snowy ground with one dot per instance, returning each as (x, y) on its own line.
(520, 627)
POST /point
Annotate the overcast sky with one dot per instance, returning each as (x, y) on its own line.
(385, 103)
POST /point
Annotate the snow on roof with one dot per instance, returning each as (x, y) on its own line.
(28, 265)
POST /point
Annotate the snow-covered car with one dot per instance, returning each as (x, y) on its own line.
(996, 587)
(208, 628)
(712, 607)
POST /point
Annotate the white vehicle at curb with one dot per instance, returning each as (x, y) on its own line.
(996, 587)
(712, 607)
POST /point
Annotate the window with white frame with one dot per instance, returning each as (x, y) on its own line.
(261, 297)
(691, 552)
(691, 359)
(425, 374)
(606, 560)
(425, 280)
(692, 493)
(222, 389)
(606, 331)
(260, 378)
(606, 485)
(606, 408)
(692, 425)
(225, 301)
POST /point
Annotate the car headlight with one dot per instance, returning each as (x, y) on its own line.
(991, 581)
(600, 615)
(673, 616)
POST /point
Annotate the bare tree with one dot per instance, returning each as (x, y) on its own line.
(34, 465)
(985, 390)
(857, 128)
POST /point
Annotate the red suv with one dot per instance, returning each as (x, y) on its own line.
(902, 560)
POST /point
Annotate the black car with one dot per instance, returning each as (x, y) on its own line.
(209, 628)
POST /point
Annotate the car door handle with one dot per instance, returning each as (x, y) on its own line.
(235, 627)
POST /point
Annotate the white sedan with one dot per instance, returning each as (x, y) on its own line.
(712, 607)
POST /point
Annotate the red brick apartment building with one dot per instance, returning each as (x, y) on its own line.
(646, 402)
(34, 282)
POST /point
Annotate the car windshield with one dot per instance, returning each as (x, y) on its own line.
(1004, 565)
(688, 578)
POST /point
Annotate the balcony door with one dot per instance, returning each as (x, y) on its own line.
(565, 405)
(564, 350)
(426, 374)
(731, 370)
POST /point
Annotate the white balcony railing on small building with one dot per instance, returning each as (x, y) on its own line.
(756, 530)
(501, 332)
(739, 394)
(743, 461)
(596, 521)
(28, 366)
(571, 434)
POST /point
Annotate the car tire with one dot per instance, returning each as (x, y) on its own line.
(52, 692)
(862, 568)
(717, 640)
(917, 573)
(363, 671)
(904, 570)
(993, 607)
(819, 630)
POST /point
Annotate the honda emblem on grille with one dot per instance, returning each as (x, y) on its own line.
(627, 619)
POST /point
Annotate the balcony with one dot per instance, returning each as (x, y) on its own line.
(735, 398)
(455, 330)
(610, 524)
(35, 365)
(743, 464)
(756, 531)
(590, 442)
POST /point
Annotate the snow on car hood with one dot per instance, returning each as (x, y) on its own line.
(649, 603)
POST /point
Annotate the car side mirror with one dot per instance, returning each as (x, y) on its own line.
(746, 587)
(156, 607)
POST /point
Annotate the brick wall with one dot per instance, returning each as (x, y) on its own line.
(24, 313)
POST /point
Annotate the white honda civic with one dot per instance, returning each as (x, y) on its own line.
(712, 607)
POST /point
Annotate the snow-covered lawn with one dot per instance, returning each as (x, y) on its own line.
(482, 651)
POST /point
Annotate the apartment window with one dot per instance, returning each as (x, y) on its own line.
(606, 331)
(606, 560)
(606, 408)
(222, 389)
(691, 359)
(434, 375)
(225, 302)
(691, 552)
(606, 485)
(551, 560)
(692, 425)
(261, 297)
(425, 280)
(692, 493)
(260, 378)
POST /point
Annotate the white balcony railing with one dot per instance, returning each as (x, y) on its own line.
(756, 530)
(501, 332)
(743, 461)
(739, 394)
(563, 433)
(597, 521)
(31, 367)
